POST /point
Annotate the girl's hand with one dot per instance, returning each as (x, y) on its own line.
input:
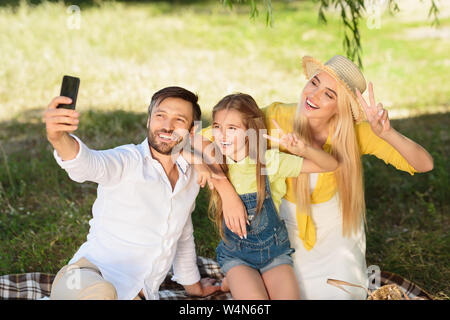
(288, 140)
(375, 113)
(205, 175)
(235, 214)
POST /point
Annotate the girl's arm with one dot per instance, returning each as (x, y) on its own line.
(378, 118)
(193, 152)
(315, 160)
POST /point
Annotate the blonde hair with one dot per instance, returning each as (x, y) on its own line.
(253, 118)
(349, 175)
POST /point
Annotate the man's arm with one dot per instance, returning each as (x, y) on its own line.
(80, 162)
(185, 269)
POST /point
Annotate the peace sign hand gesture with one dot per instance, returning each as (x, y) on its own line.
(288, 140)
(376, 114)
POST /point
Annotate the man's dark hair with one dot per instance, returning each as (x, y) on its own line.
(177, 92)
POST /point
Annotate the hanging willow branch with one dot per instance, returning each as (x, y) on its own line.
(351, 13)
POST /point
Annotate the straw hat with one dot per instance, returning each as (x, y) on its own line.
(345, 72)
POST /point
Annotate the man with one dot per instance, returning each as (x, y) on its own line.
(141, 221)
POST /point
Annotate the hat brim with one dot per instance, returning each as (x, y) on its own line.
(312, 66)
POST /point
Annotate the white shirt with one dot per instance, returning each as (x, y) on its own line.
(140, 227)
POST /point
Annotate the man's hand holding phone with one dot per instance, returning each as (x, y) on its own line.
(59, 123)
(61, 119)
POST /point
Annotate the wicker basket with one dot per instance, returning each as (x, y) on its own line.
(392, 287)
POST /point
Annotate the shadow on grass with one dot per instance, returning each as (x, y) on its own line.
(44, 215)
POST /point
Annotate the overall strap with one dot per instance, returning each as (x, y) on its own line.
(268, 186)
(270, 205)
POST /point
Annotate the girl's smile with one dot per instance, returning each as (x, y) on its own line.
(230, 134)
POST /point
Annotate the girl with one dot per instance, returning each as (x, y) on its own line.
(258, 266)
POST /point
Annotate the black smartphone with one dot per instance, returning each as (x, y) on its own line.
(69, 88)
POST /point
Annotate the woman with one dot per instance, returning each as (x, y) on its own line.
(325, 212)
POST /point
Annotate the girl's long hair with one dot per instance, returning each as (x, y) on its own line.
(349, 175)
(253, 119)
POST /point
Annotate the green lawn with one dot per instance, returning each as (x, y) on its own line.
(44, 215)
(125, 52)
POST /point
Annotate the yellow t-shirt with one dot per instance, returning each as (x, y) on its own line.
(279, 166)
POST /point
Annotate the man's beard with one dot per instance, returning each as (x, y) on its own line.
(162, 147)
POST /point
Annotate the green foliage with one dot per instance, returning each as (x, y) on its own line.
(124, 52)
(351, 13)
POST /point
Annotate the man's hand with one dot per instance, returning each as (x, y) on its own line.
(205, 175)
(203, 288)
(59, 123)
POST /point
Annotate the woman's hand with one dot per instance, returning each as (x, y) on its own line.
(378, 118)
(288, 140)
(376, 115)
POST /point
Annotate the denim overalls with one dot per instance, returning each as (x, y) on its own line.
(267, 244)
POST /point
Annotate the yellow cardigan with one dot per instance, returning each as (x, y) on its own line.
(369, 143)
(326, 187)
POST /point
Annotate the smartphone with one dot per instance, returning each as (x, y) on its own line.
(69, 88)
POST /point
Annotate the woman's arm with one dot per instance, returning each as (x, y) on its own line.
(414, 153)
(378, 118)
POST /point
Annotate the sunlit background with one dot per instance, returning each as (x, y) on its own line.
(124, 51)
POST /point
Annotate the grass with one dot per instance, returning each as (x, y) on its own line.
(125, 52)
(44, 215)
(408, 221)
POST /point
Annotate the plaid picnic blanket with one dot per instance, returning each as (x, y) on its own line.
(412, 290)
(36, 285)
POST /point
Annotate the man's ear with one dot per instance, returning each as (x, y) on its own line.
(148, 122)
(193, 130)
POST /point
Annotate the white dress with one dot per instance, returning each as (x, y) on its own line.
(333, 256)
